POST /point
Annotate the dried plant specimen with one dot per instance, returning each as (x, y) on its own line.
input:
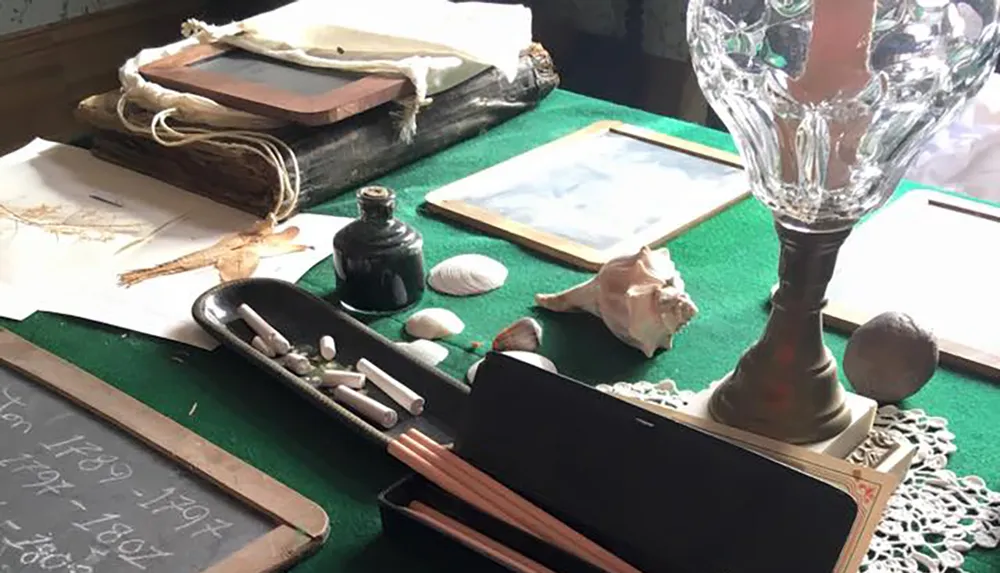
(88, 224)
(235, 256)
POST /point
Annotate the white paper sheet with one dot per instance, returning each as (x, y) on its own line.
(76, 273)
(98, 207)
(162, 306)
(15, 304)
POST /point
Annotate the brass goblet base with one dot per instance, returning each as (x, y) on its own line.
(786, 386)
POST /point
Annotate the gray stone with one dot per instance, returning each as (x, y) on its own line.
(890, 358)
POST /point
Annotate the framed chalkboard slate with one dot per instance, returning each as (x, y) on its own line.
(882, 265)
(92, 480)
(598, 193)
(271, 87)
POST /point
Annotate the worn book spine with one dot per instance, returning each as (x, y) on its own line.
(332, 159)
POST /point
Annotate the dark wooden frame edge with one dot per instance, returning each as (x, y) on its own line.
(303, 525)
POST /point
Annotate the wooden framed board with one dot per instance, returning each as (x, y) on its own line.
(926, 254)
(92, 480)
(274, 88)
(598, 193)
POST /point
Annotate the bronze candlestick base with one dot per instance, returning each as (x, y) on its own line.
(785, 386)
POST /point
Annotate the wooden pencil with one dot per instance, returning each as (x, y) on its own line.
(568, 538)
(475, 539)
(522, 519)
(448, 483)
(527, 516)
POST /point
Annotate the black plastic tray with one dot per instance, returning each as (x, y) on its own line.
(303, 318)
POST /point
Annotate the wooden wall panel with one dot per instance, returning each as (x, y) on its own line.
(45, 71)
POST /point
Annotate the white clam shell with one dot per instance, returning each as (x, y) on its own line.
(426, 351)
(529, 357)
(467, 275)
(431, 323)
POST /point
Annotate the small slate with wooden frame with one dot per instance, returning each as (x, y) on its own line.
(923, 255)
(271, 87)
(601, 192)
(93, 480)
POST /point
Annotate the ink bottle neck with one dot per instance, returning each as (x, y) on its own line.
(376, 204)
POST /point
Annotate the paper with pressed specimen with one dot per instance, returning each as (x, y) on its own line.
(64, 214)
(152, 224)
(870, 489)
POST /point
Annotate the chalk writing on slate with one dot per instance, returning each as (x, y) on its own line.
(78, 495)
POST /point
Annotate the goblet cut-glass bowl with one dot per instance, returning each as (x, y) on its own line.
(829, 101)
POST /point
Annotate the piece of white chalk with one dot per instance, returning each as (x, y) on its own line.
(366, 406)
(262, 347)
(331, 378)
(297, 363)
(408, 399)
(327, 347)
(278, 343)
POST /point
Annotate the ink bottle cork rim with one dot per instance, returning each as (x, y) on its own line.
(376, 202)
(375, 192)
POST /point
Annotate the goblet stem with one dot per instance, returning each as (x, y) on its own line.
(785, 386)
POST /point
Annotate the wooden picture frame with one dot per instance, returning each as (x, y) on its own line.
(302, 525)
(349, 93)
(914, 213)
(453, 200)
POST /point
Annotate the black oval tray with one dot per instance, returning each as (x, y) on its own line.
(303, 318)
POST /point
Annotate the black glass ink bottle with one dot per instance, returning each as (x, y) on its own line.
(378, 259)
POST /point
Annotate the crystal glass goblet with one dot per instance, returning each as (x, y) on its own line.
(828, 102)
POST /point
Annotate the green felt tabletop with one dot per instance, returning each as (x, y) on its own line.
(728, 263)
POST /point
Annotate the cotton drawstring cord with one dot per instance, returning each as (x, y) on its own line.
(271, 149)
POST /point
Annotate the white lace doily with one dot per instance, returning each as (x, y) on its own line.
(935, 516)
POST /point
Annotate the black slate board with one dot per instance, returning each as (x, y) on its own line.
(75, 491)
(255, 68)
(92, 481)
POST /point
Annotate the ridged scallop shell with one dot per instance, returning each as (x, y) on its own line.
(431, 323)
(467, 275)
(426, 351)
(529, 357)
(522, 334)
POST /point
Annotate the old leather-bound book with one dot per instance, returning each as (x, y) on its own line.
(333, 158)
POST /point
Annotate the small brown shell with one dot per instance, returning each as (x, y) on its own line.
(523, 334)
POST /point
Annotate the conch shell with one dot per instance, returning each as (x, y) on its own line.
(639, 297)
